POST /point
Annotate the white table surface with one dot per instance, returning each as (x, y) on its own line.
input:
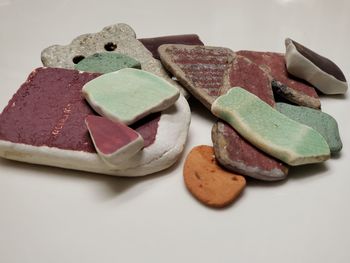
(56, 215)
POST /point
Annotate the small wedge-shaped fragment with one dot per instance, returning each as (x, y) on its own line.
(284, 84)
(129, 94)
(322, 122)
(114, 141)
(321, 72)
(207, 181)
(153, 43)
(239, 156)
(106, 62)
(209, 72)
(270, 130)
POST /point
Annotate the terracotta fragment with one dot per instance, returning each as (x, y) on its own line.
(207, 181)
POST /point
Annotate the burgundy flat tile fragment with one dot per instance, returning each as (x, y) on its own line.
(237, 155)
(49, 110)
(153, 43)
(285, 85)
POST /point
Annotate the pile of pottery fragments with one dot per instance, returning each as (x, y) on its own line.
(110, 103)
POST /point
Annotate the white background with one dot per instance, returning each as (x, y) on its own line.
(56, 215)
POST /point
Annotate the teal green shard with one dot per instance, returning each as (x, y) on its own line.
(128, 95)
(322, 122)
(270, 130)
(106, 63)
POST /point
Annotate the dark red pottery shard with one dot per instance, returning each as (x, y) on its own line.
(153, 43)
(284, 84)
(49, 110)
(209, 72)
(239, 156)
(110, 136)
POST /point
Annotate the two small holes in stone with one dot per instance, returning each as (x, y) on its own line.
(110, 46)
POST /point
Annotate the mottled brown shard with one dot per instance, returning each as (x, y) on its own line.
(209, 72)
(153, 43)
(239, 156)
(285, 85)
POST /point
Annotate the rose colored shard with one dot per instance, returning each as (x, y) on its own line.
(209, 72)
(284, 84)
(49, 110)
(109, 136)
(238, 155)
(153, 43)
(147, 128)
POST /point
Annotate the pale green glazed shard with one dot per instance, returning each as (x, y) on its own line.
(106, 62)
(129, 94)
(269, 130)
(322, 122)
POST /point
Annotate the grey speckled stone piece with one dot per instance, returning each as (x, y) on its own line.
(322, 122)
(119, 38)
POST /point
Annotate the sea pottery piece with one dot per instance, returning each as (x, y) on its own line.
(269, 130)
(41, 126)
(153, 43)
(322, 122)
(129, 95)
(239, 156)
(208, 72)
(321, 72)
(283, 84)
(207, 181)
(114, 141)
(106, 62)
(118, 38)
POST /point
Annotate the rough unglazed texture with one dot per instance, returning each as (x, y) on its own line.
(106, 62)
(118, 38)
(114, 141)
(41, 126)
(284, 84)
(208, 72)
(269, 130)
(322, 122)
(129, 95)
(321, 72)
(237, 155)
(153, 43)
(207, 181)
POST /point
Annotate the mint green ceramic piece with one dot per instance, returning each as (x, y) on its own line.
(129, 94)
(322, 122)
(107, 62)
(269, 130)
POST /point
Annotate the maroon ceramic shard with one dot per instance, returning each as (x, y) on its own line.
(248, 75)
(284, 85)
(153, 43)
(114, 141)
(239, 156)
(147, 128)
(209, 72)
(49, 110)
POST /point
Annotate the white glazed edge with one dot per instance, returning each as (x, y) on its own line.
(303, 68)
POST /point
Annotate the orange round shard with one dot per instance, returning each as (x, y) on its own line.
(207, 181)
